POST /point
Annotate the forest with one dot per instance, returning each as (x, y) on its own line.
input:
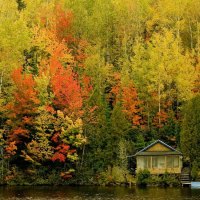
(85, 84)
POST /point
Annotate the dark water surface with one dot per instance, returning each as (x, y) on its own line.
(96, 193)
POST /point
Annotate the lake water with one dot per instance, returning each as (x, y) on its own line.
(97, 193)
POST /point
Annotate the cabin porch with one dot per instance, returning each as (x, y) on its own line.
(160, 164)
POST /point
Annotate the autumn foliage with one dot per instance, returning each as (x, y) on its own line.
(85, 84)
(131, 104)
(25, 95)
(66, 89)
(41, 130)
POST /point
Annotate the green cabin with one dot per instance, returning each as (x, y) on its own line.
(159, 158)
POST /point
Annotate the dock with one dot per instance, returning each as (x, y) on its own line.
(185, 179)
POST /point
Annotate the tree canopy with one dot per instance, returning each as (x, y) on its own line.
(84, 84)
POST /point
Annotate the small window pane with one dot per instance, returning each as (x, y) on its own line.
(161, 162)
(154, 161)
(147, 162)
(143, 162)
(158, 162)
(170, 163)
(140, 162)
(176, 161)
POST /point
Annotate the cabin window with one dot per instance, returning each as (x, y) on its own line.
(144, 162)
(147, 162)
(176, 161)
(158, 161)
(172, 161)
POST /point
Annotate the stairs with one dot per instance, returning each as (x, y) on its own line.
(185, 178)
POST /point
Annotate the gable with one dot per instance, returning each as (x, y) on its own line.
(158, 147)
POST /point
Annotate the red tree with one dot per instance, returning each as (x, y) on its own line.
(131, 104)
(66, 89)
(22, 109)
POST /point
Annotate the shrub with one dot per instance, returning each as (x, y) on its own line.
(115, 175)
(194, 171)
(164, 180)
(143, 177)
(169, 180)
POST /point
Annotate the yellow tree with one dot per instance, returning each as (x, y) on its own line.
(163, 71)
(15, 37)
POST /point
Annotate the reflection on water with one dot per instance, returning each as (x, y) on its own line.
(96, 193)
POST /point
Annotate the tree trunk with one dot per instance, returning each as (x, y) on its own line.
(1, 82)
(191, 35)
(159, 99)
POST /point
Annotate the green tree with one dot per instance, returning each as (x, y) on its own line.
(190, 136)
(21, 4)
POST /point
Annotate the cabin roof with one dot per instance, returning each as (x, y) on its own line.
(171, 151)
